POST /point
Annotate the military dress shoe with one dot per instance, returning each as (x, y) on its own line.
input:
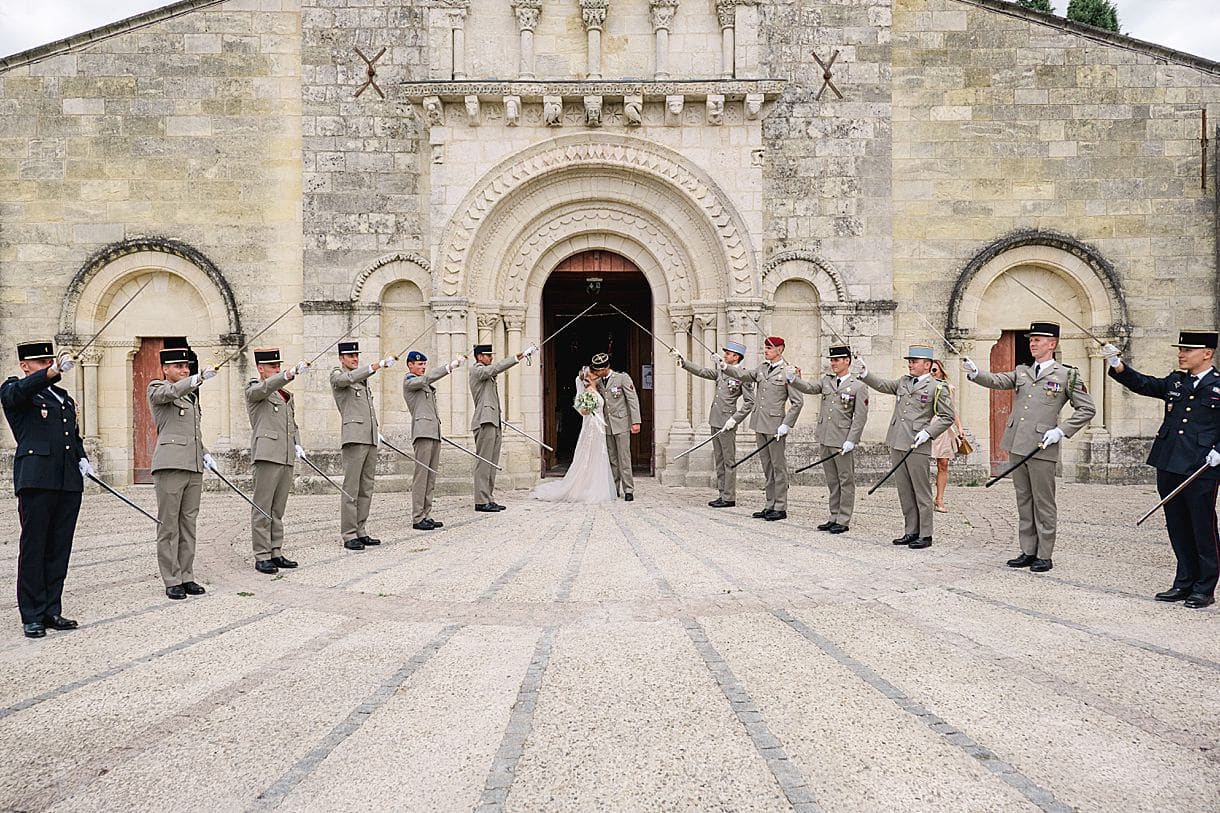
(906, 539)
(369, 540)
(1041, 566)
(280, 561)
(761, 514)
(267, 567)
(175, 592)
(628, 497)
(193, 589)
(58, 622)
(487, 508)
(1174, 594)
(826, 526)
(353, 544)
(1196, 600)
(34, 629)
(838, 528)
(424, 525)
(498, 507)
(436, 523)
(1024, 560)
(921, 543)
(721, 503)
(772, 516)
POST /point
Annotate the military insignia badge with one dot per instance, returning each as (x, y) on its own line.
(44, 413)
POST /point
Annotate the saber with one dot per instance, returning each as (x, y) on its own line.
(412, 458)
(816, 462)
(832, 328)
(756, 451)
(641, 327)
(413, 341)
(889, 473)
(124, 499)
(472, 454)
(1018, 465)
(1175, 492)
(241, 494)
(567, 325)
(322, 474)
(943, 338)
(114, 316)
(691, 333)
(336, 341)
(1046, 302)
(701, 443)
(253, 338)
(527, 435)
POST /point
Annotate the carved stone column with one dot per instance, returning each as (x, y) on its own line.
(224, 378)
(593, 14)
(487, 328)
(726, 16)
(661, 13)
(456, 16)
(705, 327)
(1095, 379)
(528, 12)
(679, 322)
(451, 339)
(514, 326)
(90, 361)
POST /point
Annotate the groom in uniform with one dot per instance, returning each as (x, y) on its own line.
(622, 413)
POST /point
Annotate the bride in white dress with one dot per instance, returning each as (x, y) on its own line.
(589, 478)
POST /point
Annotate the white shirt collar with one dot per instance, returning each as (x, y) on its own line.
(922, 377)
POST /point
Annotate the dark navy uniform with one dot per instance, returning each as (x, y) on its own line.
(1190, 430)
(48, 483)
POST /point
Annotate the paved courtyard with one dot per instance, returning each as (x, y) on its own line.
(658, 655)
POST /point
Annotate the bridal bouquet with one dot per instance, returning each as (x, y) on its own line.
(586, 402)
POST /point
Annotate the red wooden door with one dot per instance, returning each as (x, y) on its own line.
(145, 367)
(1003, 359)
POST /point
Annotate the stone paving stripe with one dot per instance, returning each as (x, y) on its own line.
(544, 540)
(786, 773)
(344, 585)
(123, 616)
(1110, 636)
(1041, 797)
(114, 670)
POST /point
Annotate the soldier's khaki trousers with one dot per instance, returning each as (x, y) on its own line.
(178, 493)
(272, 484)
(423, 482)
(914, 491)
(775, 469)
(487, 441)
(841, 480)
(359, 478)
(1035, 486)
(724, 454)
(619, 447)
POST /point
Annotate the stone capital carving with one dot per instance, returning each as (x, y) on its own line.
(488, 321)
(661, 13)
(705, 320)
(434, 111)
(715, 108)
(514, 321)
(633, 110)
(512, 111)
(528, 12)
(593, 13)
(593, 111)
(552, 110)
(726, 13)
(93, 356)
(472, 110)
(680, 323)
(450, 315)
(753, 105)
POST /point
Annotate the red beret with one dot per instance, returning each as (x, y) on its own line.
(774, 341)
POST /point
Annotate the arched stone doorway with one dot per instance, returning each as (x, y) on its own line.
(577, 282)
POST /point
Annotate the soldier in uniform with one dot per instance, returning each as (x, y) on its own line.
(923, 409)
(49, 467)
(359, 439)
(840, 424)
(1042, 390)
(622, 414)
(724, 417)
(177, 468)
(275, 445)
(771, 424)
(1186, 441)
(420, 395)
(485, 423)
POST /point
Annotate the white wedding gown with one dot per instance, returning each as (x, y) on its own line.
(589, 478)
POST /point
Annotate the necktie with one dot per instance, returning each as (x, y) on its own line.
(1037, 370)
(838, 383)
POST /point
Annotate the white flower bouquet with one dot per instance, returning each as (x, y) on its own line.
(585, 403)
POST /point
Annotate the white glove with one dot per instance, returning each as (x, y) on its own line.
(380, 438)
(63, 364)
(848, 446)
(722, 364)
(1052, 436)
(717, 358)
(922, 437)
(858, 368)
(196, 380)
(209, 461)
(790, 374)
(387, 363)
(673, 351)
(302, 367)
(1213, 458)
(372, 369)
(730, 425)
(783, 430)
(972, 369)
(207, 373)
(1111, 354)
(86, 468)
(300, 452)
(530, 350)
(453, 365)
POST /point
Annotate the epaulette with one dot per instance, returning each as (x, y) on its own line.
(10, 379)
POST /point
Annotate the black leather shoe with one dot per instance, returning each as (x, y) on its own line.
(1196, 600)
(353, 544)
(1174, 594)
(838, 529)
(193, 589)
(280, 561)
(1024, 560)
(761, 514)
(719, 503)
(772, 516)
(34, 629)
(628, 497)
(1041, 566)
(436, 523)
(487, 508)
(826, 526)
(424, 525)
(58, 622)
(906, 539)
(267, 567)
(499, 507)
(921, 543)
(175, 592)
(369, 540)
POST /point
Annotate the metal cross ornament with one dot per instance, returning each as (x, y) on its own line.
(370, 73)
(827, 75)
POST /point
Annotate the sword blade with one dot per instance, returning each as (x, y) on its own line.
(336, 341)
(1175, 492)
(472, 454)
(253, 339)
(322, 474)
(114, 316)
(701, 443)
(890, 473)
(526, 435)
(566, 325)
(241, 494)
(756, 451)
(817, 462)
(413, 341)
(1051, 305)
(412, 458)
(942, 336)
(124, 499)
(641, 327)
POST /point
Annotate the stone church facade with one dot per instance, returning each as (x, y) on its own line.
(481, 170)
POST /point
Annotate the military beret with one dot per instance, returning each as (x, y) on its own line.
(415, 355)
(774, 341)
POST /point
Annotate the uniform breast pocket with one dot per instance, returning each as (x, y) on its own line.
(353, 420)
(268, 436)
(171, 441)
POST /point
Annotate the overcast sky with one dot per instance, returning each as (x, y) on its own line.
(1188, 25)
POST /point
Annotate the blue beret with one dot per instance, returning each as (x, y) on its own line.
(415, 355)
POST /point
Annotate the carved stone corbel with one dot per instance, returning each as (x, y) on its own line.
(673, 110)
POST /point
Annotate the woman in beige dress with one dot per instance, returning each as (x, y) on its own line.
(944, 446)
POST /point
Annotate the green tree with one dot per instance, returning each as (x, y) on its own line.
(1100, 13)
(1037, 5)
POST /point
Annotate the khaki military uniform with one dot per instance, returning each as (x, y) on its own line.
(1035, 409)
(842, 417)
(922, 403)
(729, 391)
(273, 442)
(488, 435)
(177, 471)
(420, 395)
(621, 411)
(772, 394)
(358, 438)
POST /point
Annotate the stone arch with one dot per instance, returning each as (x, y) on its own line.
(373, 280)
(806, 265)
